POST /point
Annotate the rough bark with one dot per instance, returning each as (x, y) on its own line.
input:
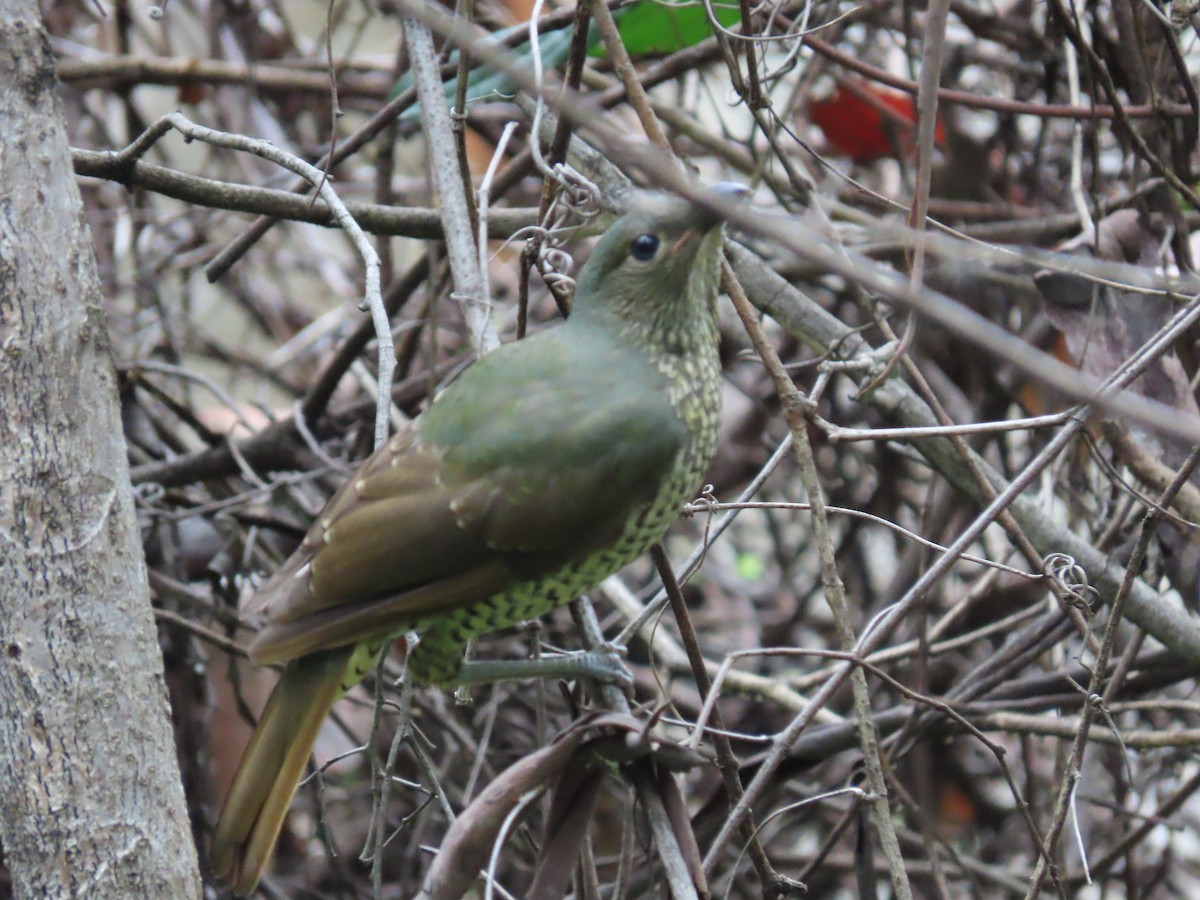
(91, 800)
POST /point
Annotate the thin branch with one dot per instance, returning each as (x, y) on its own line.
(373, 300)
(469, 288)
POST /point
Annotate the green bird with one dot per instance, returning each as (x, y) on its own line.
(544, 468)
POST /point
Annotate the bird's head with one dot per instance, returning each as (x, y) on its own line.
(659, 263)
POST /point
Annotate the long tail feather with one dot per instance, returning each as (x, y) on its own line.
(271, 767)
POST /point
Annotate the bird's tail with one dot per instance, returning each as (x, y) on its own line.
(271, 767)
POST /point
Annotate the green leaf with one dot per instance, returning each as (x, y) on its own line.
(646, 28)
(483, 84)
(654, 28)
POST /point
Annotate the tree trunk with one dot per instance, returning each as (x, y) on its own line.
(90, 799)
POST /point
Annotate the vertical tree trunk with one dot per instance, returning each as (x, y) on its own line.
(90, 800)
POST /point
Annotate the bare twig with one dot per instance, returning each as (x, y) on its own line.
(373, 300)
(469, 287)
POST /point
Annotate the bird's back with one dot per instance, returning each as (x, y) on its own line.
(586, 418)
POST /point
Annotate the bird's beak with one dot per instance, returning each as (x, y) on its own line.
(718, 200)
(732, 190)
(709, 211)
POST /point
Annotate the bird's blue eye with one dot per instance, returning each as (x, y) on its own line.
(643, 247)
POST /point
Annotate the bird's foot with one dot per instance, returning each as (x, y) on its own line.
(605, 666)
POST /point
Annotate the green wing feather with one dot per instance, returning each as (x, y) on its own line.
(510, 476)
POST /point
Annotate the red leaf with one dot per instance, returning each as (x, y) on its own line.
(866, 121)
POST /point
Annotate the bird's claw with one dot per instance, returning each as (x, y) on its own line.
(606, 665)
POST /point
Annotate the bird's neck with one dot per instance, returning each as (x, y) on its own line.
(659, 333)
(672, 323)
(679, 339)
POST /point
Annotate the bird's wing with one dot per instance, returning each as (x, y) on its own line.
(501, 483)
